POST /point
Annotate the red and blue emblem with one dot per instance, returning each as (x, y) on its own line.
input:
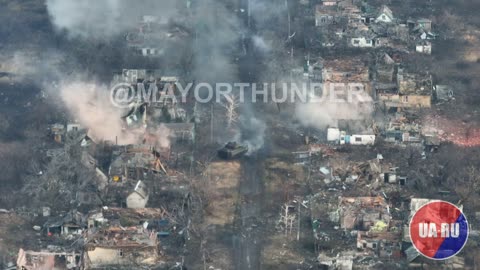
(439, 230)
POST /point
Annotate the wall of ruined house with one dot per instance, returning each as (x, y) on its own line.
(135, 200)
(409, 101)
(323, 19)
(385, 74)
(367, 86)
(345, 76)
(99, 256)
(417, 101)
(362, 42)
(363, 244)
(427, 49)
(388, 97)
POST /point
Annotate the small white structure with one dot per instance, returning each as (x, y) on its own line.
(385, 15)
(333, 135)
(150, 51)
(362, 42)
(46, 211)
(73, 127)
(362, 139)
(424, 47)
(139, 197)
(330, 2)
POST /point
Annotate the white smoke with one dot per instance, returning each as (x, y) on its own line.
(104, 19)
(260, 44)
(252, 133)
(328, 112)
(90, 105)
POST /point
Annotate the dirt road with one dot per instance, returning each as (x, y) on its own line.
(248, 238)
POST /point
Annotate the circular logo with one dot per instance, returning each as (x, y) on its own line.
(439, 230)
(122, 94)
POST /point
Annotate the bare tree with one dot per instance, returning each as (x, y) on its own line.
(60, 180)
(231, 104)
(466, 184)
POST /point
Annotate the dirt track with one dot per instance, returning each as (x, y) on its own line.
(247, 240)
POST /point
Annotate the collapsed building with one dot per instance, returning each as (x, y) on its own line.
(126, 238)
(52, 257)
(345, 92)
(161, 103)
(398, 89)
(362, 213)
(153, 34)
(409, 91)
(346, 70)
(382, 244)
(368, 227)
(137, 162)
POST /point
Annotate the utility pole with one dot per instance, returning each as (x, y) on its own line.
(286, 220)
(211, 123)
(288, 18)
(248, 13)
(298, 219)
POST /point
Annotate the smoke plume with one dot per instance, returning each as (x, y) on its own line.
(104, 20)
(90, 105)
(251, 133)
(327, 113)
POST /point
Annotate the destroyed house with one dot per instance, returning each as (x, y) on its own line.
(361, 213)
(58, 132)
(385, 15)
(184, 132)
(326, 15)
(385, 78)
(414, 91)
(134, 77)
(119, 237)
(57, 258)
(137, 162)
(346, 79)
(402, 131)
(346, 70)
(381, 244)
(335, 12)
(385, 69)
(424, 24)
(166, 109)
(136, 114)
(152, 35)
(364, 39)
(70, 223)
(158, 102)
(342, 261)
(392, 177)
(417, 203)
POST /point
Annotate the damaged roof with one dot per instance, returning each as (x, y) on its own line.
(124, 227)
(363, 211)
